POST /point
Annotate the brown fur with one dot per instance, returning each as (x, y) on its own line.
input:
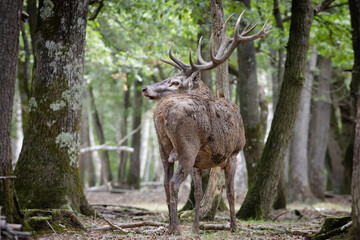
(199, 131)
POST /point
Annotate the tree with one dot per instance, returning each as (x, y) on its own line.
(262, 192)
(212, 195)
(319, 128)
(299, 188)
(134, 172)
(248, 91)
(355, 89)
(47, 171)
(10, 19)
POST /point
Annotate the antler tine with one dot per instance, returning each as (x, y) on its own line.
(247, 30)
(182, 65)
(213, 58)
(201, 60)
(226, 43)
(191, 62)
(223, 31)
(171, 63)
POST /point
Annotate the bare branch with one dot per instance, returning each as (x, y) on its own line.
(97, 10)
(322, 6)
(106, 148)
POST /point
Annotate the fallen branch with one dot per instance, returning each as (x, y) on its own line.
(214, 226)
(346, 226)
(279, 215)
(106, 148)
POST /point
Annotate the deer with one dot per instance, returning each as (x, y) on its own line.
(196, 129)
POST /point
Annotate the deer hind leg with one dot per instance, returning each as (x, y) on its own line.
(230, 170)
(185, 165)
(198, 195)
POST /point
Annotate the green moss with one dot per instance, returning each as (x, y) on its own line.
(186, 216)
(331, 228)
(60, 220)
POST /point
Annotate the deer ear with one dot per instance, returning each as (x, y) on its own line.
(194, 80)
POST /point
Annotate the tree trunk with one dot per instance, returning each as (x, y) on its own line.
(248, 89)
(86, 161)
(319, 131)
(105, 176)
(10, 18)
(336, 169)
(277, 79)
(259, 199)
(124, 155)
(355, 186)
(144, 145)
(133, 179)
(299, 188)
(355, 92)
(47, 171)
(211, 198)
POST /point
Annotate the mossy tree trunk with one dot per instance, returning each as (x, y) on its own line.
(10, 17)
(355, 92)
(47, 172)
(133, 178)
(259, 199)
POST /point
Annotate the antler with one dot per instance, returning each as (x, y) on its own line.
(226, 43)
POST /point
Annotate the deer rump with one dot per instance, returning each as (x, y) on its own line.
(190, 125)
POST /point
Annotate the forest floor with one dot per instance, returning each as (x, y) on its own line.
(148, 207)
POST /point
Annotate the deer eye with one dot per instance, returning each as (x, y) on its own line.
(174, 84)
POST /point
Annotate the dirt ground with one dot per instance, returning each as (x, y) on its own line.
(147, 207)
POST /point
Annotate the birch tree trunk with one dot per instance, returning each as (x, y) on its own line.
(48, 168)
(299, 188)
(10, 18)
(319, 132)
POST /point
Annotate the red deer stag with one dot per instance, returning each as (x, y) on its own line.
(195, 128)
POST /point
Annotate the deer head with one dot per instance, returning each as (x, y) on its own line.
(188, 79)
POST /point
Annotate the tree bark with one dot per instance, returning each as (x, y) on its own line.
(319, 129)
(124, 155)
(133, 179)
(277, 79)
(259, 199)
(10, 18)
(299, 188)
(355, 92)
(47, 171)
(211, 198)
(105, 175)
(86, 161)
(248, 90)
(336, 169)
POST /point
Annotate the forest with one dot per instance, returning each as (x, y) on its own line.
(164, 119)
